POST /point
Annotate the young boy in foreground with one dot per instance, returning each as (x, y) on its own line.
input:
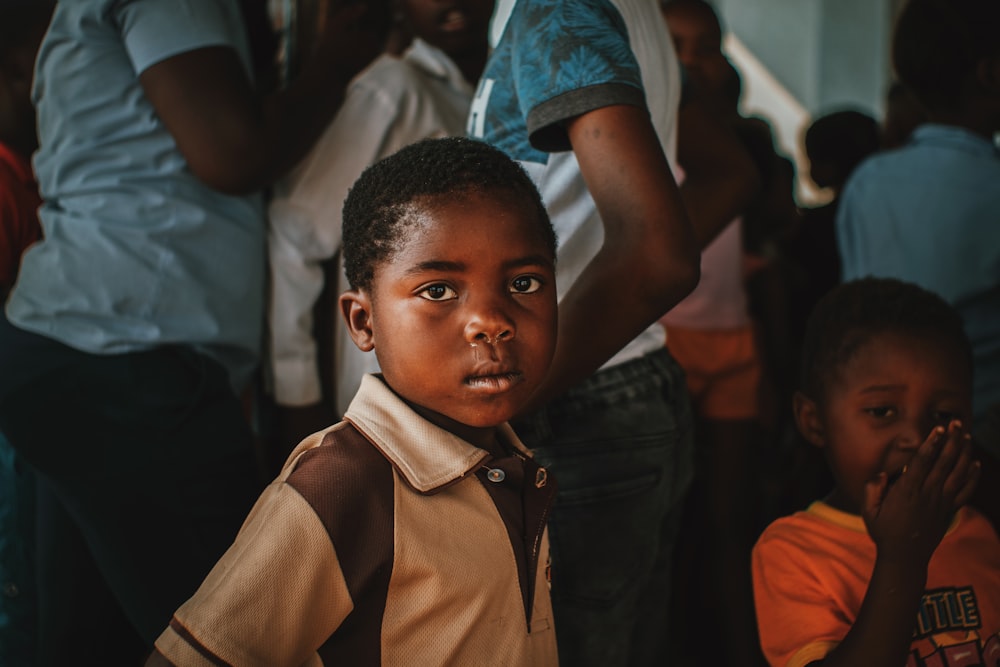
(412, 532)
(892, 568)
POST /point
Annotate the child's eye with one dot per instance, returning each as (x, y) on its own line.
(881, 411)
(525, 285)
(438, 292)
(944, 417)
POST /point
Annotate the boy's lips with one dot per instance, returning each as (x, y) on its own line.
(494, 383)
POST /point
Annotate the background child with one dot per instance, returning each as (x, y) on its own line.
(891, 568)
(413, 531)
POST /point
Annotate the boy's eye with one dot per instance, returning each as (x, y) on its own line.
(525, 285)
(944, 417)
(881, 411)
(438, 292)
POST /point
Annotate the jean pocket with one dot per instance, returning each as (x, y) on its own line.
(611, 491)
(605, 538)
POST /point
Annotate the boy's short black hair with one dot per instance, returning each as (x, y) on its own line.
(851, 314)
(377, 208)
(843, 138)
(938, 43)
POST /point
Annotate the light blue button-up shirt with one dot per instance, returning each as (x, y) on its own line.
(137, 251)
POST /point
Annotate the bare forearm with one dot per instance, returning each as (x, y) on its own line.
(648, 261)
(602, 312)
(297, 115)
(232, 140)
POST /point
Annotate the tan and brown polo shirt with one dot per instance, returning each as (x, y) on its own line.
(386, 540)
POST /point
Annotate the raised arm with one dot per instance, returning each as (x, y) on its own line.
(236, 142)
(907, 522)
(649, 260)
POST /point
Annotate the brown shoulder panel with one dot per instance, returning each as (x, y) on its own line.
(349, 485)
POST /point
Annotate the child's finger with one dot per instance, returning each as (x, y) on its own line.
(950, 451)
(924, 459)
(875, 491)
(971, 481)
(966, 466)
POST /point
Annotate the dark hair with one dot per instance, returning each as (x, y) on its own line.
(843, 138)
(377, 208)
(851, 314)
(938, 43)
(703, 6)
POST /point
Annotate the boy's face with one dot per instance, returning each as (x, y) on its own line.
(698, 43)
(454, 26)
(462, 317)
(882, 406)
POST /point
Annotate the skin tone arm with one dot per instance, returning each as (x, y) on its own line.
(234, 141)
(721, 178)
(906, 522)
(649, 260)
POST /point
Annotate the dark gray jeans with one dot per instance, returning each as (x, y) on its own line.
(621, 448)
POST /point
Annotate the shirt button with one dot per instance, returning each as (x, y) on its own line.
(496, 475)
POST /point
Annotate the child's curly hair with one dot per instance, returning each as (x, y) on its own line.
(379, 206)
(852, 313)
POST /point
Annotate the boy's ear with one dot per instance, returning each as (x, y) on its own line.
(807, 419)
(355, 306)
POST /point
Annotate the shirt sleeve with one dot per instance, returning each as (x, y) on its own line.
(273, 599)
(305, 230)
(154, 30)
(796, 622)
(566, 58)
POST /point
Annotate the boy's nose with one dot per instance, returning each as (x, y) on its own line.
(489, 326)
(913, 432)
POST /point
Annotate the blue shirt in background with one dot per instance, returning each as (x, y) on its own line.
(137, 251)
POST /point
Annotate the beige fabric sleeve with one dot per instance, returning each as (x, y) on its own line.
(275, 596)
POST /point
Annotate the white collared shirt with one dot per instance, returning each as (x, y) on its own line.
(391, 104)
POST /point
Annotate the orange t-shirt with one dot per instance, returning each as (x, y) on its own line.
(19, 202)
(811, 573)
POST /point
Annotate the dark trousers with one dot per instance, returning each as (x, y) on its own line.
(145, 472)
(621, 447)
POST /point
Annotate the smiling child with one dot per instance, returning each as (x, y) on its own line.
(412, 532)
(892, 568)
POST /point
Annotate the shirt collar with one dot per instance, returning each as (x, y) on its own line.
(854, 522)
(952, 135)
(436, 63)
(428, 457)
